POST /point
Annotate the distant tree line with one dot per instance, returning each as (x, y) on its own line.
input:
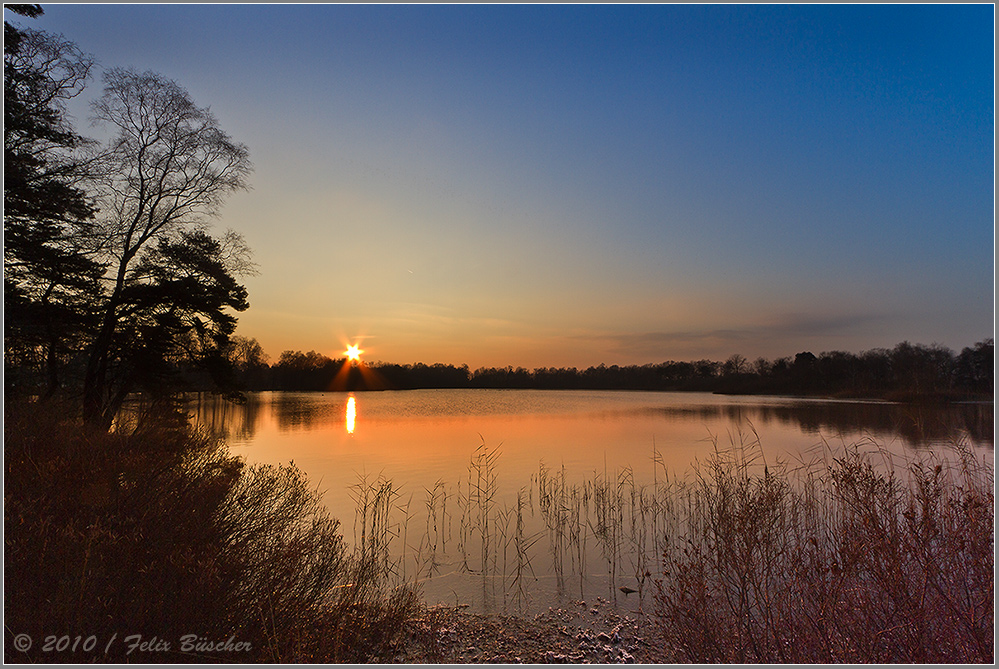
(907, 371)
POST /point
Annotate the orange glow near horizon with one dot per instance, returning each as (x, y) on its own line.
(353, 353)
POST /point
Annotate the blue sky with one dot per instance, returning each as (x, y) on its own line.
(577, 184)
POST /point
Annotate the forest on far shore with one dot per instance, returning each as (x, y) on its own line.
(905, 372)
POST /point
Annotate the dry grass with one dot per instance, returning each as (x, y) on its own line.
(841, 562)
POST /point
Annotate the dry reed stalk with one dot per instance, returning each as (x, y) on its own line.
(849, 561)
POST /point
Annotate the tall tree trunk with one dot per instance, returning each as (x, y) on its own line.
(51, 359)
(95, 381)
(51, 369)
(97, 394)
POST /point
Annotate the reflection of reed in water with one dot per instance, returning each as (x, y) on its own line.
(374, 529)
(522, 546)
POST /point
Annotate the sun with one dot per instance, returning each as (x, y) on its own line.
(353, 353)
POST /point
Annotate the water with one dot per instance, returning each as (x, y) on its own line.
(504, 473)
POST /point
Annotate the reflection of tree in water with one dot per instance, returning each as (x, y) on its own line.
(293, 411)
(290, 410)
(916, 424)
(240, 421)
(979, 421)
(227, 420)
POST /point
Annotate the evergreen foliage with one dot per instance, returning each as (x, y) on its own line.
(112, 283)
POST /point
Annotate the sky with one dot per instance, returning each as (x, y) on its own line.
(574, 185)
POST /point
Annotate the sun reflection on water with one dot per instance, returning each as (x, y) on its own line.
(351, 414)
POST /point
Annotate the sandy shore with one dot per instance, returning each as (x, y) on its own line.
(591, 632)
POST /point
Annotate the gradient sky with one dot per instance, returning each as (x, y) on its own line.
(574, 185)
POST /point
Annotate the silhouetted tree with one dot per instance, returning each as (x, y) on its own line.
(874, 373)
(305, 371)
(49, 279)
(975, 368)
(802, 372)
(173, 313)
(677, 375)
(249, 361)
(421, 375)
(921, 370)
(875, 377)
(706, 369)
(836, 372)
(168, 167)
(762, 367)
(41, 171)
(736, 364)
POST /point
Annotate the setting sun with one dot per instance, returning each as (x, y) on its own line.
(353, 353)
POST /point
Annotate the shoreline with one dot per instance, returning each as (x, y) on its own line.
(588, 633)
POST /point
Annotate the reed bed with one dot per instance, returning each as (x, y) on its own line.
(851, 556)
(847, 559)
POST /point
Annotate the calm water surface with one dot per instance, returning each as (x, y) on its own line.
(449, 508)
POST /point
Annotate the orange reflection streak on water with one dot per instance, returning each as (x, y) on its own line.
(351, 414)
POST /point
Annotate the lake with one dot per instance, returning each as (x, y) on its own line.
(499, 499)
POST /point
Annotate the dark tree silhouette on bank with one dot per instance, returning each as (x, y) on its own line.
(50, 280)
(974, 369)
(168, 168)
(246, 356)
(173, 312)
(906, 372)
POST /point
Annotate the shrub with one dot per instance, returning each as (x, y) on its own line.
(160, 532)
(850, 562)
